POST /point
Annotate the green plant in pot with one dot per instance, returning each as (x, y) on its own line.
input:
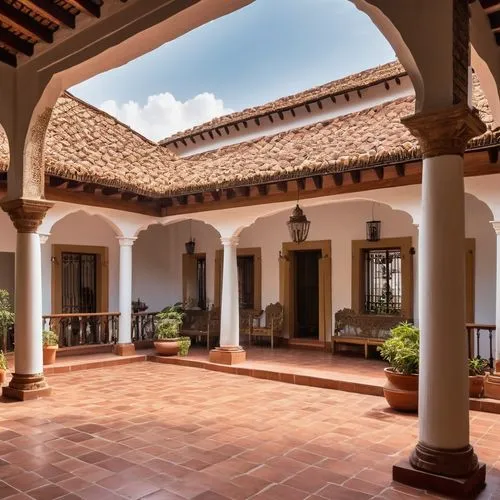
(478, 367)
(168, 325)
(401, 351)
(50, 342)
(6, 317)
(3, 368)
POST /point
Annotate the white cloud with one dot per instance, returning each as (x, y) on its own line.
(163, 115)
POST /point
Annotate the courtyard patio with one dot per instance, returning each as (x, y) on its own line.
(155, 431)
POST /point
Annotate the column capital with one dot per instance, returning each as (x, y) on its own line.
(26, 214)
(44, 238)
(125, 241)
(231, 241)
(445, 131)
(496, 226)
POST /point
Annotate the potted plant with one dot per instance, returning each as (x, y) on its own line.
(401, 350)
(3, 368)
(50, 346)
(6, 317)
(168, 324)
(477, 371)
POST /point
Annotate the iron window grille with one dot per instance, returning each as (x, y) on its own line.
(383, 283)
(201, 277)
(246, 281)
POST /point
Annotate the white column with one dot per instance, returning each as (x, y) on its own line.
(230, 313)
(443, 396)
(125, 292)
(496, 227)
(28, 300)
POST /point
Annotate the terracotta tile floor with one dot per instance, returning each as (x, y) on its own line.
(156, 431)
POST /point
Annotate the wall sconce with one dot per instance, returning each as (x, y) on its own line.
(373, 227)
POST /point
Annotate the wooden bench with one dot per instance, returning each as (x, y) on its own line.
(362, 329)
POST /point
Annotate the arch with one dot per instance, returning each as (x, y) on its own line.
(59, 212)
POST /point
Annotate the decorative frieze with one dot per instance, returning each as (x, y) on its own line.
(26, 214)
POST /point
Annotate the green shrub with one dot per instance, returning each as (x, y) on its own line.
(478, 366)
(401, 349)
(184, 345)
(3, 361)
(49, 338)
(168, 322)
(6, 314)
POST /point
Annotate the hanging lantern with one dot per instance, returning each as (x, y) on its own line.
(190, 245)
(373, 230)
(298, 225)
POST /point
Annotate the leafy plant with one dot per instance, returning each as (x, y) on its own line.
(478, 366)
(3, 361)
(184, 345)
(169, 321)
(401, 349)
(6, 314)
(49, 338)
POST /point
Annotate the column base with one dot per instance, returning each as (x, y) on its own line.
(124, 349)
(27, 387)
(454, 487)
(450, 472)
(227, 355)
(492, 385)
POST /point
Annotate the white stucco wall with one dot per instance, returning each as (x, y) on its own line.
(157, 261)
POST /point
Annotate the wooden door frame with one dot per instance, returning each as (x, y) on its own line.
(185, 258)
(287, 285)
(102, 275)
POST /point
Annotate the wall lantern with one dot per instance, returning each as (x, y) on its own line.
(373, 228)
(138, 306)
(298, 225)
(190, 245)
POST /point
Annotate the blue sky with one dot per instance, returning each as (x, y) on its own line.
(267, 50)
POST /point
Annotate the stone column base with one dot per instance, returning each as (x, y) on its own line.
(227, 355)
(27, 387)
(454, 473)
(124, 349)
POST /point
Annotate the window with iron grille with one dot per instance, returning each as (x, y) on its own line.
(246, 281)
(383, 284)
(79, 282)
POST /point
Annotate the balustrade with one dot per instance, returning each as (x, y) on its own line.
(143, 326)
(477, 332)
(83, 329)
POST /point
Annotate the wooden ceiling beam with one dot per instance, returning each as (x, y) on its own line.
(199, 198)
(338, 178)
(110, 191)
(86, 6)
(24, 23)
(57, 182)
(355, 176)
(51, 11)
(301, 184)
(400, 170)
(215, 195)
(493, 155)
(380, 172)
(282, 186)
(7, 57)
(263, 189)
(318, 181)
(15, 43)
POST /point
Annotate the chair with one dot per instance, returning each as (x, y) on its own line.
(273, 326)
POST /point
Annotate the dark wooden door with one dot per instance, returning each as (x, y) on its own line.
(79, 282)
(307, 293)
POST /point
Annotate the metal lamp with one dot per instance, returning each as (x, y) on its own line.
(298, 225)
(373, 230)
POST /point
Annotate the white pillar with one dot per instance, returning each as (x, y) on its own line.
(28, 300)
(230, 312)
(444, 399)
(125, 346)
(230, 351)
(27, 381)
(496, 227)
(444, 448)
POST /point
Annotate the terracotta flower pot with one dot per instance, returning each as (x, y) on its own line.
(3, 376)
(168, 347)
(49, 354)
(401, 391)
(492, 386)
(476, 386)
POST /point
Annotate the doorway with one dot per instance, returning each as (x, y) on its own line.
(307, 293)
(306, 290)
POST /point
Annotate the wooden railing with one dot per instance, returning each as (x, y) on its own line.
(83, 329)
(475, 332)
(143, 326)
